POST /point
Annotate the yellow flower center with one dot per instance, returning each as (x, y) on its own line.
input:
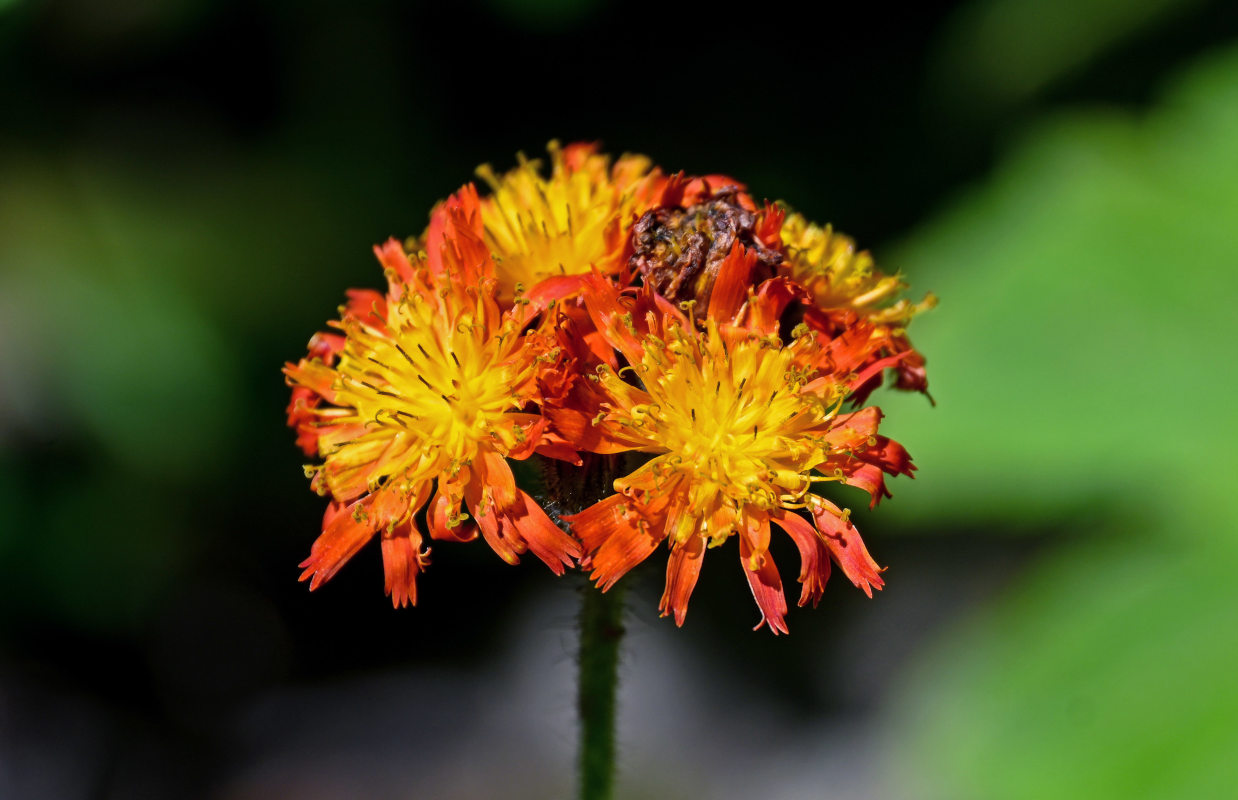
(827, 264)
(423, 393)
(538, 228)
(730, 421)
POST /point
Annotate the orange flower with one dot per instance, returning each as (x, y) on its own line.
(545, 233)
(740, 425)
(844, 285)
(425, 393)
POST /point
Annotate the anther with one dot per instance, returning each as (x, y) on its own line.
(404, 353)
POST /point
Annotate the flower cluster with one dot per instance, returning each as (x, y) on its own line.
(609, 308)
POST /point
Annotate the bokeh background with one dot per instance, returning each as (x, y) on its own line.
(187, 188)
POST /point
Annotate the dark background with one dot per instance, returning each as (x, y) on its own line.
(187, 188)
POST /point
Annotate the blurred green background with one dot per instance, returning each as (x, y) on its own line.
(188, 187)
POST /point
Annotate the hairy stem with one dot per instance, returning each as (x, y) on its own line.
(601, 629)
(567, 490)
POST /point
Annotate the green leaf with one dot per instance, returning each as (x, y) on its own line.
(1082, 357)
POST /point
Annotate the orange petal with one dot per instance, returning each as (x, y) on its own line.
(849, 430)
(612, 318)
(595, 525)
(441, 509)
(769, 227)
(497, 535)
(845, 545)
(673, 190)
(864, 476)
(860, 463)
(391, 255)
(334, 509)
(301, 418)
(326, 346)
(323, 348)
(466, 258)
(578, 428)
(875, 368)
(576, 156)
(560, 451)
(391, 506)
(731, 283)
(464, 204)
(762, 575)
(493, 471)
(771, 299)
(544, 539)
(682, 571)
(554, 288)
(367, 306)
(889, 455)
(313, 375)
(402, 561)
(851, 343)
(345, 534)
(612, 531)
(814, 558)
(533, 428)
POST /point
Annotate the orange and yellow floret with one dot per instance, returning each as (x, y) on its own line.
(420, 399)
(741, 426)
(545, 232)
(844, 285)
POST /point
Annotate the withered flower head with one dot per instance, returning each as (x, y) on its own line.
(678, 251)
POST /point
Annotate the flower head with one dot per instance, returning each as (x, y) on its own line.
(741, 426)
(545, 232)
(420, 399)
(843, 285)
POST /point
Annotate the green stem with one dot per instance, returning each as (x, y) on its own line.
(567, 490)
(601, 629)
